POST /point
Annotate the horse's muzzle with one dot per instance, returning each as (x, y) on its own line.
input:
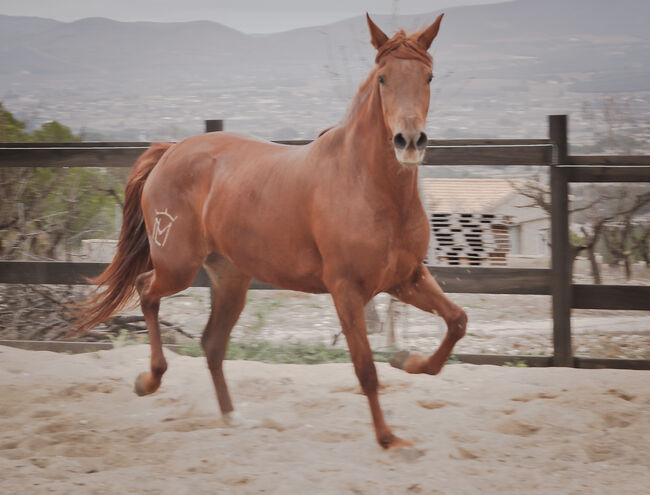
(410, 147)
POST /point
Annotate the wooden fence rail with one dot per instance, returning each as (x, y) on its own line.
(109, 155)
(556, 281)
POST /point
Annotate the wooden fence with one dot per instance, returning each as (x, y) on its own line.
(555, 281)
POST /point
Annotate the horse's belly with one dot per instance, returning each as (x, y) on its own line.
(278, 262)
(302, 273)
(287, 276)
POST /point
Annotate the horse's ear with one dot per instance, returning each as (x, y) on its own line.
(377, 36)
(427, 36)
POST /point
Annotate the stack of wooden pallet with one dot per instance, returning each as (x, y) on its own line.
(470, 238)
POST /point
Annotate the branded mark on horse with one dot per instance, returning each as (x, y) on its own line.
(160, 234)
(340, 215)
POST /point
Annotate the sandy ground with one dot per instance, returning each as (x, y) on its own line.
(71, 424)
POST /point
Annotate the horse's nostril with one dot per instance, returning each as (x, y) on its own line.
(399, 141)
(422, 141)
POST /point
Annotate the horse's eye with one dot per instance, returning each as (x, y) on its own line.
(429, 78)
(382, 81)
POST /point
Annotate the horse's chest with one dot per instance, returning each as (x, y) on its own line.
(407, 248)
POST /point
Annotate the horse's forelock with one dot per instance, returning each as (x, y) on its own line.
(403, 46)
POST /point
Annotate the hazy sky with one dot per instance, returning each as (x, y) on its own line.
(250, 16)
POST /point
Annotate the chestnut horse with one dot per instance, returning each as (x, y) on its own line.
(341, 215)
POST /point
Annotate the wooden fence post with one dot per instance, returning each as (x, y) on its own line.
(213, 125)
(561, 278)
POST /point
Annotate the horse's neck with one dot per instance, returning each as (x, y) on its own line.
(369, 142)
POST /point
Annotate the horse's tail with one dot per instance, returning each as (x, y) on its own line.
(133, 256)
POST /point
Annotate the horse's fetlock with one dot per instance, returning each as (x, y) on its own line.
(385, 439)
(159, 369)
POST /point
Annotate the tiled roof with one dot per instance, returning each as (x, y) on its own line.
(463, 195)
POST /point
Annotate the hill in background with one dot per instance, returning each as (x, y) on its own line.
(500, 69)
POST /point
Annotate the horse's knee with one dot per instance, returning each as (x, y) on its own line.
(457, 325)
(206, 342)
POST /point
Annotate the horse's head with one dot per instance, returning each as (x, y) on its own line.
(404, 73)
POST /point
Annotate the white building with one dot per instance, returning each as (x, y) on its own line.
(481, 221)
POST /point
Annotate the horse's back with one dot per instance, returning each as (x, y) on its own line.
(194, 165)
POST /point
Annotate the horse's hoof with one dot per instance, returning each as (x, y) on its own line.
(399, 443)
(398, 360)
(406, 452)
(232, 419)
(412, 363)
(139, 387)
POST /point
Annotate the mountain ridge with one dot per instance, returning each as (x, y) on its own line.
(514, 55)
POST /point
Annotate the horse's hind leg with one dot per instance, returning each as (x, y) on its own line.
(422, 291)
(229, 297)
(152, 286)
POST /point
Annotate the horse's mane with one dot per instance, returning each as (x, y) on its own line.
(365, 89)
(400, 45)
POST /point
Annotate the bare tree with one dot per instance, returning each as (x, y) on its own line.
(614, 128)
(598, 210)
(624, 238)
(539, 195)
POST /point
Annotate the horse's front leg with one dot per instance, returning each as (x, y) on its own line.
(422, 291)
(350, 304)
